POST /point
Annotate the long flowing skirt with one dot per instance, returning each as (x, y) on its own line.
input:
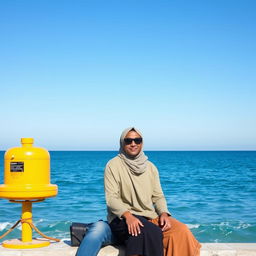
(179, 241)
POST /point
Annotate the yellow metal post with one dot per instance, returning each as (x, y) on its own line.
(26, 235)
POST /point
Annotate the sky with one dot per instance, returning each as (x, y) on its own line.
(75, 74)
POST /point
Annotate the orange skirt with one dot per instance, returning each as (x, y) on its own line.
(179, 241)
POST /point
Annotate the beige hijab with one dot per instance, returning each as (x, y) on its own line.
(138, 164)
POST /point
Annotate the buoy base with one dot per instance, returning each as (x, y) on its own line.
(18, 244)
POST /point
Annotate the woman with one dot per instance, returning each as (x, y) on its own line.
(137, 209)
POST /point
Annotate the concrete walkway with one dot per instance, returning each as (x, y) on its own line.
(64, 249)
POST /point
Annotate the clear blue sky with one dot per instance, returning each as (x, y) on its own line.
(74, 74)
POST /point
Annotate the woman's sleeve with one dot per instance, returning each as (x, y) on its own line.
(112, 193)
(158, 197)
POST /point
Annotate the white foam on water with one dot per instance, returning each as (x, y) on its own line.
(38, 221)
(4, 225)
(230, 232)
(223, 224)
(243, 225)
(193, 225)
(226, 224)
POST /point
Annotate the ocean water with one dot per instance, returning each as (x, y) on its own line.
(213, 192)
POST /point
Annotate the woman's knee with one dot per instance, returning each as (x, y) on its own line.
(177, 227)
(100, 225)
(177, 224)
(99, 228)
(153, 230)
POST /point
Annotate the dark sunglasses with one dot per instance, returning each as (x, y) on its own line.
(128, 141)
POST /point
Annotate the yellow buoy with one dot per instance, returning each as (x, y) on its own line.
(27, 180)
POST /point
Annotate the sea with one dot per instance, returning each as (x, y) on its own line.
(213, 192)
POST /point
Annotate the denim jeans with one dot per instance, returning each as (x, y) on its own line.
(98, 234)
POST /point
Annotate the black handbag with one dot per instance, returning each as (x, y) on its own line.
(77, 233)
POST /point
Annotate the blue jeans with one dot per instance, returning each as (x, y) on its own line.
(98, 234)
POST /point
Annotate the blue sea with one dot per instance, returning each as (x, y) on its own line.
(213, 192)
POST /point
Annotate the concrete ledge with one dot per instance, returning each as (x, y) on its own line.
(64, 249)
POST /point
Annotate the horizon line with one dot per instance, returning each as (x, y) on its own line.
(156, 150)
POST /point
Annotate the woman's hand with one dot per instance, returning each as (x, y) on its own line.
(133, 224)
(165, 221)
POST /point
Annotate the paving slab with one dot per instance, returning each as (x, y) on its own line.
(63, 248)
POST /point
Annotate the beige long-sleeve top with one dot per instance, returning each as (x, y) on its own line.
(139, 194)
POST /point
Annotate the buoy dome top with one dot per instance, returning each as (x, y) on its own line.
(26, 151)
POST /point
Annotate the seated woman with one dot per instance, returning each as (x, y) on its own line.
(137, 209)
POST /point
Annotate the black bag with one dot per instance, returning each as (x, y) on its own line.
(77, 233)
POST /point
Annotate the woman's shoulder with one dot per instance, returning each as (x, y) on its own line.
(113, 167)
(152, 167)
(114, 162)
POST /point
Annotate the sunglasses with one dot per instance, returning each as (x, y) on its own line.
(129, 141)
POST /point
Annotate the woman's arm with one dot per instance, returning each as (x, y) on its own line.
(112, 193)
(160, 204)
(158, 197)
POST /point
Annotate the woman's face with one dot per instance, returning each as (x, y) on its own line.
(132, 149)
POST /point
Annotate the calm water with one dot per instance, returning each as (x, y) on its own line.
(213, 192)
